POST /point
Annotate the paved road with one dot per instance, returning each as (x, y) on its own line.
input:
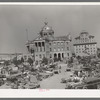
(54, 82)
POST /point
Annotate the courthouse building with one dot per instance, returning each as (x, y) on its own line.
(85, 45)
(49, 46)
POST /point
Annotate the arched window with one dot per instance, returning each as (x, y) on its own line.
(55, 55)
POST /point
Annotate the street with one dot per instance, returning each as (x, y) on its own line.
(54, 82)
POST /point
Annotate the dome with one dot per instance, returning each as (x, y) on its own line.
(47, 29)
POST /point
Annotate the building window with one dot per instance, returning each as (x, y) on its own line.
(62, 49)
(50, 49)
(67, 48)
(54, 43)
(40, 56)
(49, 43)
(54, 49)
(62, 43)
(50, 33)
(43, 55)
(67, 54)
(58, 43)
(50, 55)
(58, 49)
(62, 55)
(67, 43)
(40, 49)
(85, 39)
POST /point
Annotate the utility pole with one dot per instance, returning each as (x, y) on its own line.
(27, 34)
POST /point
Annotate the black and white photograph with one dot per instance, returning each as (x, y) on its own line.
(49, 47)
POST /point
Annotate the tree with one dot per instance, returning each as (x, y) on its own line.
(7, 62)
(15, 62)
(22, 59)
(45, 60)
(55, 59)
(73, 55)
(30, 61)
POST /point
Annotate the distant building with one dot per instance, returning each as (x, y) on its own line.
(98, 52)
(9, 56)
(85, 45)
(46, 45)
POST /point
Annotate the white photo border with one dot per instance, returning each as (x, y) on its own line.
(49, 93)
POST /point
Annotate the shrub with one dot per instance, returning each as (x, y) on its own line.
(45, 60)
(55, 59)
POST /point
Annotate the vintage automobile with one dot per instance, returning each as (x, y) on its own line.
(65, 80)
(68, 69)
(71, 79)
(13, 78)
(2, 76)
(49, 72)
(89, 83)
(14, 86)
(44, 75)
(39, 78)
(30, 85)
(34, 85)
(1, 82)
(50, 69)
(56, 71)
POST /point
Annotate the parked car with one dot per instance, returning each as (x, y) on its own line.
(2, 76)
(65, 80)
(68, 69)
(1, 82)
(34, 86)
(30, 85)
(89, 83)
(56, 71)
(50, 73)
(45, 74)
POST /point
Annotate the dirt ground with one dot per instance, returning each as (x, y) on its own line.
(54, 82)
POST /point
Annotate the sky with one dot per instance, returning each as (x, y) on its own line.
(64, 19)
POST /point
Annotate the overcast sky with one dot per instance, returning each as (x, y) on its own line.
(14, 20)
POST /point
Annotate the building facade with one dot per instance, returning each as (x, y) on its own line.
(9, 56)
(46, 45)
(85, 45)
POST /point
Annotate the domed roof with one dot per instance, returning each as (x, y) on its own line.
(46, 28)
